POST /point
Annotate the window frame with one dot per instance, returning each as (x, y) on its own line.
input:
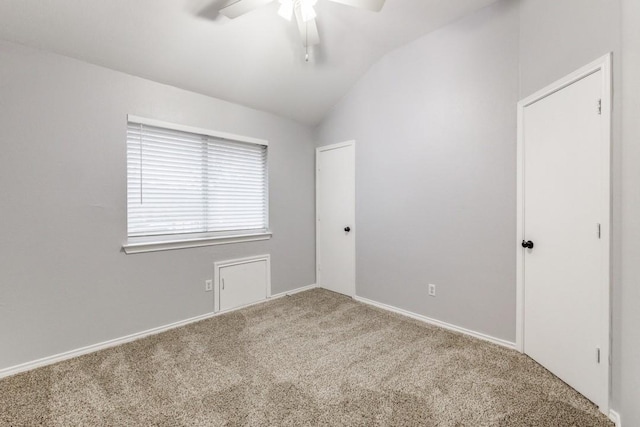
(165, 242)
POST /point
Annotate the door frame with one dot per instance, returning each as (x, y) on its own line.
(350, 143)
(603, 64)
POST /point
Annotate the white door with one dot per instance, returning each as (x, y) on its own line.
(336, 231)
(564, 154)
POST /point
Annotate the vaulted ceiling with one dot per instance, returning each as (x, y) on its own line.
(256, 60)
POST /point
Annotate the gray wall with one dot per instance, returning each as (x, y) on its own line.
(435, 125)
(558, 37)
(628, 316)
(64, 282)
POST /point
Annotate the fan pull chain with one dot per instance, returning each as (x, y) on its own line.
(306, 42)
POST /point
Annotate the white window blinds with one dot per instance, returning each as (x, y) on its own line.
(180, 182)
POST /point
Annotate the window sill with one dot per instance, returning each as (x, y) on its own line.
(143, 245)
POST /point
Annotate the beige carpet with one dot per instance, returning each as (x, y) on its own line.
(315, 358)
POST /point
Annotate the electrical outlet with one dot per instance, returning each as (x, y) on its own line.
(432, 290)
(208, 285)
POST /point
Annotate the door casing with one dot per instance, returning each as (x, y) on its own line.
(353, 232)
(603, 64)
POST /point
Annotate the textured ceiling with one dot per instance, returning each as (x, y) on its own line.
(256, 60)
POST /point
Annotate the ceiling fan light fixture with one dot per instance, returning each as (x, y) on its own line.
(306, 10)
(286, 9)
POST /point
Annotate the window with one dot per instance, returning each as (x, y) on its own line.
(192, 184)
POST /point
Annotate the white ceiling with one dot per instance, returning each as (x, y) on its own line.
(256, 60)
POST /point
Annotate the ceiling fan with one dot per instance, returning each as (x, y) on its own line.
(302, 9)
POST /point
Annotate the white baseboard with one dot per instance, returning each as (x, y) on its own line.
(271, 298)
(293, 292)
(615, 417)
(439, 323)
(49, 360)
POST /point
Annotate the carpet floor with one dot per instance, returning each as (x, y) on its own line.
(311, 359)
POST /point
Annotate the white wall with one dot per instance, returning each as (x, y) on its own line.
(435, 125)
(628, 381)
(64, 282)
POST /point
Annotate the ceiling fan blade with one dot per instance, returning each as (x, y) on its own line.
(234, 8)
(308, 30)
(372, 5)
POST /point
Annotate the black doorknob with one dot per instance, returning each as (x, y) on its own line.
(347, 229)
(528, 244)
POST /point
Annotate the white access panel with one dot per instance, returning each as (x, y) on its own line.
(241, 282)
